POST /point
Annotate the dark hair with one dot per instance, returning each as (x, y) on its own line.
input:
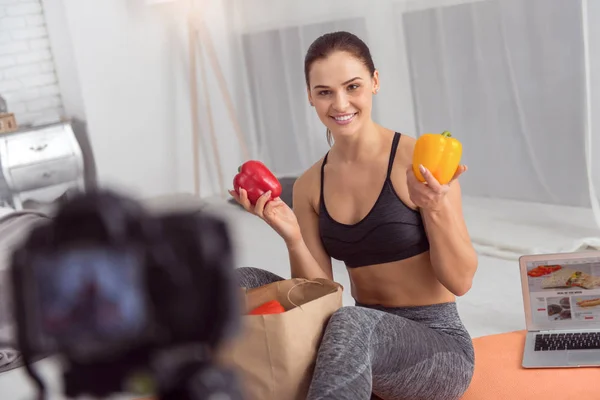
(329, 43)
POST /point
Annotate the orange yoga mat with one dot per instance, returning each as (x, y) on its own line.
(499, 375)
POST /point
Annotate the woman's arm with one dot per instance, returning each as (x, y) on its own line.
(308, 258)
(452, 254)
(299, 227)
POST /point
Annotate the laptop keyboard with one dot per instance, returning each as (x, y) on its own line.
(567, 341)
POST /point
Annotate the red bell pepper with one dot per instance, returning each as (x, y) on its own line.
(254, 177)
(270, 307)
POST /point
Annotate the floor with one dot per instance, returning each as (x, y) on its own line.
(494, 304)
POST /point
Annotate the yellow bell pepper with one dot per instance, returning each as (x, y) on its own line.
(440, 154)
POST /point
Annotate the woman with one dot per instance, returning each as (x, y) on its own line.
(404, 243)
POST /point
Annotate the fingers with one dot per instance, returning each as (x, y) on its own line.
(271, 208)
(262, 205)
(242, 199)
(459, 171)
(427, 195)
(259, 208)
(235, 195)
(430, 179)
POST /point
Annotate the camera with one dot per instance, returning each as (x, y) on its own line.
(127, 299)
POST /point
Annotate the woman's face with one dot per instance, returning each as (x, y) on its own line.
(341, 90)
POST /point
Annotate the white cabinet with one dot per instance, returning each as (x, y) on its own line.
(40, 164)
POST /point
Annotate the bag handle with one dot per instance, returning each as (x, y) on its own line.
(295, 286)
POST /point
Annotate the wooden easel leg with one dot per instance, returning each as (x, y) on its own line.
(198, 27)
(214, 59)
(194, 102)
(211, 125)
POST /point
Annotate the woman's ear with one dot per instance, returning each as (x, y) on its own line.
(375, 82)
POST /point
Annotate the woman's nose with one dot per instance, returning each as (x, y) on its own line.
(340, 102)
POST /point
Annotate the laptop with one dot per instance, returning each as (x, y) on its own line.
(561, 295)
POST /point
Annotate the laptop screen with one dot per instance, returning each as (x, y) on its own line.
(564, 293)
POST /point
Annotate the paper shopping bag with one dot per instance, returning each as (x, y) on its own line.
(274, 355)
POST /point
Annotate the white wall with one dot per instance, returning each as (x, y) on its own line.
(64, 61)
(129, 63)
(28, 80)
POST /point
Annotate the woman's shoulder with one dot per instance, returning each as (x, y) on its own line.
(406, 147)
(312, 174)
(308, 184)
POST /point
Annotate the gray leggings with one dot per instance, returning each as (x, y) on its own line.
(412, 353)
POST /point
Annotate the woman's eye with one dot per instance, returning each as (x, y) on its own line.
(324, 92)
(353, 87)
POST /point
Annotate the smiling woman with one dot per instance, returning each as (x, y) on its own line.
(404, 242)
(346, 103)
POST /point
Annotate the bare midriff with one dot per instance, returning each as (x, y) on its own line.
(410, 282)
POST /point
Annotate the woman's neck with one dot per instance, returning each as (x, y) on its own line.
(361, 146)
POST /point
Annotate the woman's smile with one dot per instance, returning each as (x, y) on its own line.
(344, 119)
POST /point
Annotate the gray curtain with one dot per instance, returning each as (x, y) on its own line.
(508, 78)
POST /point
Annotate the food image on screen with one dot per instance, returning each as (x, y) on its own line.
(568, 278)
(589, 302)
(542, 270)
(565, 314)
(559, 308)
(565, 302)
(554, 309)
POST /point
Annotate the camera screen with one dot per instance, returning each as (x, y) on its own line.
(91, 294)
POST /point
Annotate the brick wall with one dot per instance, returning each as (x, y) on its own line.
(27, 76)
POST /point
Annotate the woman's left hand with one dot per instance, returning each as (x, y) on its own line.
(429, 195)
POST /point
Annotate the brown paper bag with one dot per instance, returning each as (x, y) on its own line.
(274, 355)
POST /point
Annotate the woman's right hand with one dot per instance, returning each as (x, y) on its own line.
(274, 212)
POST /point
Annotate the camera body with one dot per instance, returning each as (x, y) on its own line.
(125, 297)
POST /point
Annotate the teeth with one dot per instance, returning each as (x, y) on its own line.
(344, 118)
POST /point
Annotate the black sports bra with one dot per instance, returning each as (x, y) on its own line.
(391, 231)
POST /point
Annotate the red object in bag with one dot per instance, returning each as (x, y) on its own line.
(255, 178)
(270, 307)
